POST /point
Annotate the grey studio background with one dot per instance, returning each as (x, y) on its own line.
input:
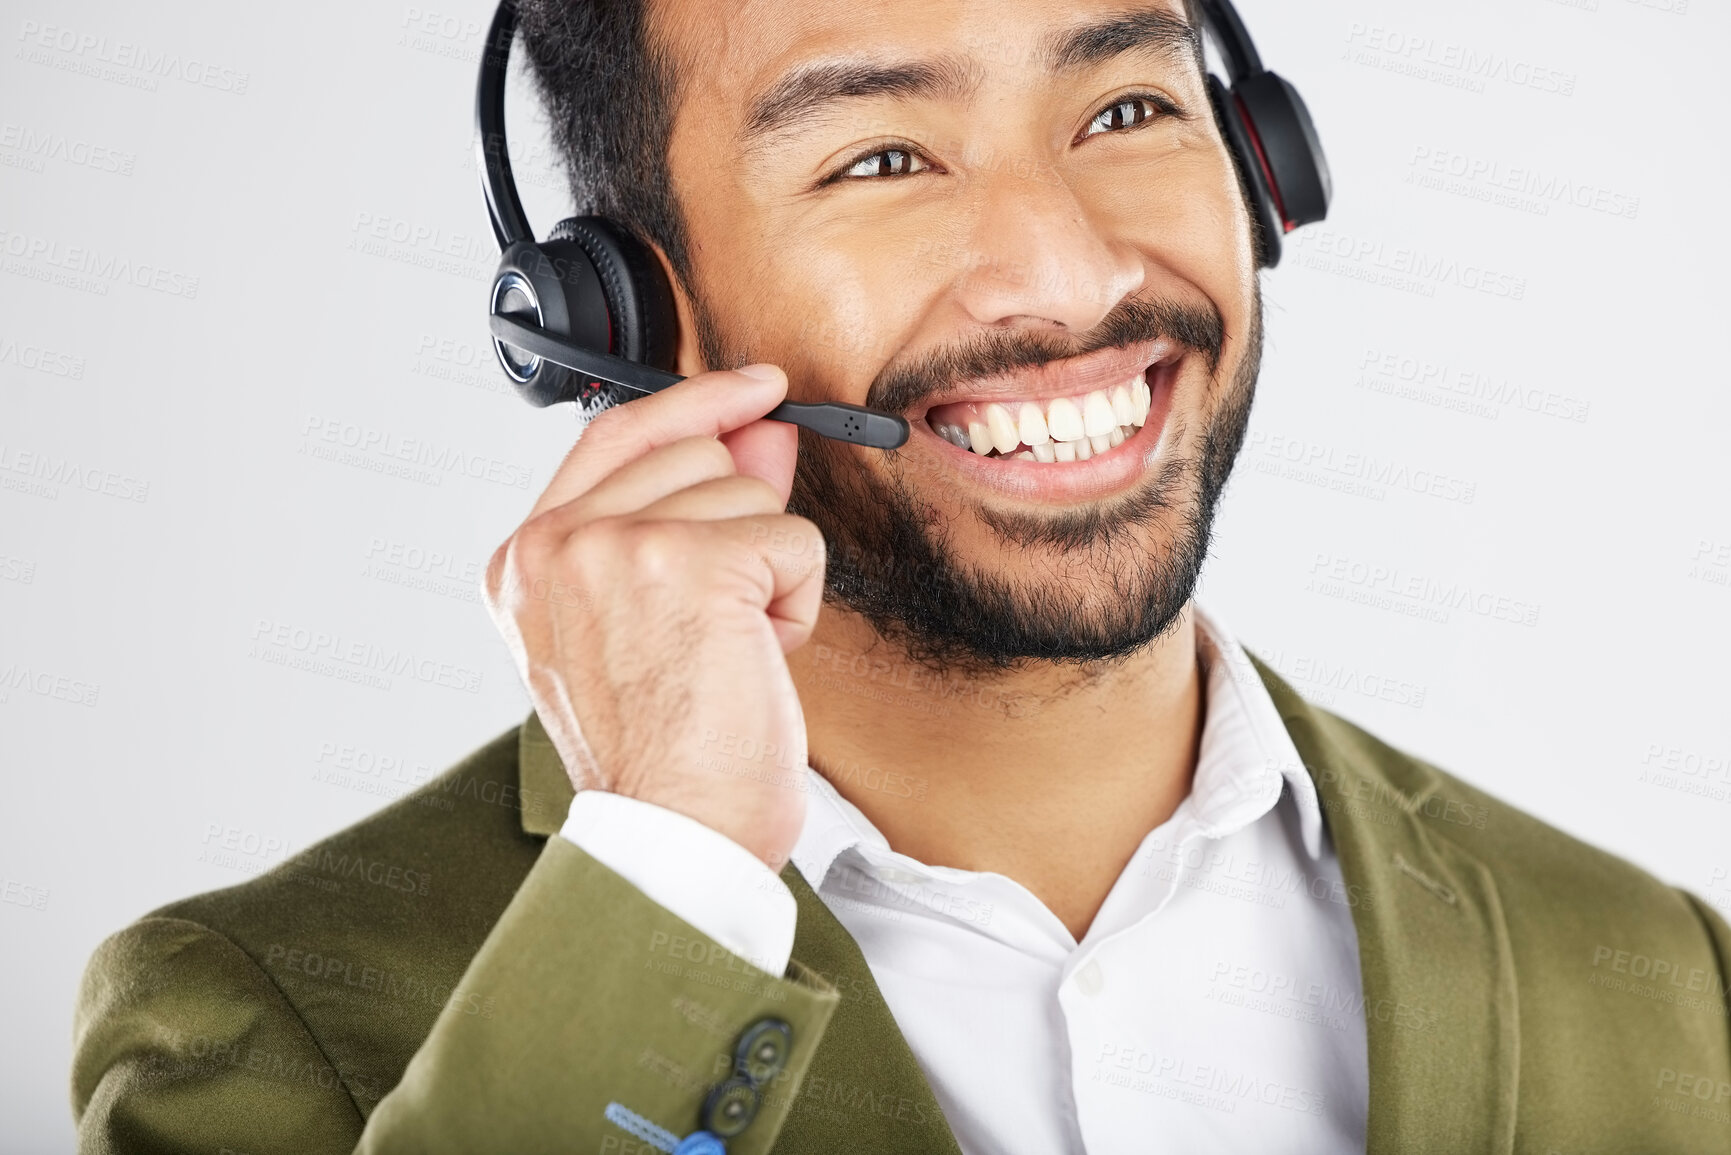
(245, 400)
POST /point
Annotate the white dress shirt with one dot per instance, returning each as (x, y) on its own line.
(1214, 1004)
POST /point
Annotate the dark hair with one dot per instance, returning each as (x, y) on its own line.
(599, 70)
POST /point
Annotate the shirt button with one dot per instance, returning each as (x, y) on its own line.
(1091, 980)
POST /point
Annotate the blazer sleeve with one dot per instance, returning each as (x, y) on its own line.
(1719, 934)
(597, 995)
(181, 1043)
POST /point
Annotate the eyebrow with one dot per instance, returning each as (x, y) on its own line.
(805, 91)
(808, 90)
(1088, 45)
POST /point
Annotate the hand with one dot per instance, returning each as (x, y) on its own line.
(650, 600)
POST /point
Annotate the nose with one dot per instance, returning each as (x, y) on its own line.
(1038, 257)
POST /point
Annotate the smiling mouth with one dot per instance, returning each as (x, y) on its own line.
(1070, 427)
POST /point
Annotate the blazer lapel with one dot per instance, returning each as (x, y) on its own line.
(1438, 973)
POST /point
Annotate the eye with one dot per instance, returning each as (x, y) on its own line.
(1125, 113)
(885, 162)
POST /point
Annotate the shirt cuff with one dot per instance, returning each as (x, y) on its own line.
(697, 873)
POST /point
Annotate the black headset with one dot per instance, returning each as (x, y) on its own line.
(590, 306)
(1270, 133)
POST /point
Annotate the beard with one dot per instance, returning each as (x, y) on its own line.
(1093, 592)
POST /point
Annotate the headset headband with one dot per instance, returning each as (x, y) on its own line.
(1236, 47)
(505, 208)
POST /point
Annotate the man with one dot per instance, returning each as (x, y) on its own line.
(1010, 848)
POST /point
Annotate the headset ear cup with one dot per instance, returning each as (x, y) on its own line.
(1295, 163)
(1252, 175)
(556, 287)
(642, 321)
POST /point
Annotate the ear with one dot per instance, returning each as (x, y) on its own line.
(688, 360)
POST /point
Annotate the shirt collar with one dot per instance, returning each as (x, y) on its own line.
(1247, 756)
(1246, 762)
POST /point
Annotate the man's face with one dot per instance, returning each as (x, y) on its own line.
(937, 208)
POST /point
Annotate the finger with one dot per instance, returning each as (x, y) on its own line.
(766, 449)
(641, 483)
(722, 499)
(701, 406)
(796, 553)
(789, 563)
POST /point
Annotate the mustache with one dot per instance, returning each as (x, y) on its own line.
(1134, 320)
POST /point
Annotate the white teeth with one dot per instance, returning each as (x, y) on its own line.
(1063, 429)
(1064, 420)
(1123, 409)
(979, 437)
(1002, 427)
(1097, 414)
(1031, 425)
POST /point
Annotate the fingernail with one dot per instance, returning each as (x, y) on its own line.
(761, 372)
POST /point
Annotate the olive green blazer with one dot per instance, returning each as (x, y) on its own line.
(446, 977)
